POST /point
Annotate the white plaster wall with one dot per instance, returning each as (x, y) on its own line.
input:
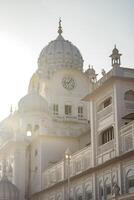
(53, 149)
(54, 86)
(85, 140)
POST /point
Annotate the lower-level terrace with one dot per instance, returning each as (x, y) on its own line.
(112, 180)
(78, 169)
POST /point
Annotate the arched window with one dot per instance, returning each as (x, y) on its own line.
(107, 135)
(130, 181)
(58, 197)
(101, 191)
(79, 195)
(71, 197)
(129, 95)
(88, 193)
(108, 190)
(107, 187)
(68, 110)
(105, 190)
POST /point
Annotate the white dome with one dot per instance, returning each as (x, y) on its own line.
(33, 102)
(8, 190)
(60, 53)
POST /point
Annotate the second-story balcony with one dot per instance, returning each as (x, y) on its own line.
(106, 152)
(127, 137)
(104, 113)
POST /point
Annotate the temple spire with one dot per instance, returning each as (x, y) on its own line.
(60, 27)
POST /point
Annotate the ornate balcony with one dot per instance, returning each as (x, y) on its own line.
(106, 152)
(101, 115)
(80, 161)
(103, 79)
(127, 137)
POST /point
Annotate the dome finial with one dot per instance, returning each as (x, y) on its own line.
(60, 27)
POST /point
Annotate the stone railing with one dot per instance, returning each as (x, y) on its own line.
(115, 72)
(80, 161)
(103, 79)
(101, 115)
(69, 118)
(53, 174)
(106, 147)
(106, 152)
(127, 137)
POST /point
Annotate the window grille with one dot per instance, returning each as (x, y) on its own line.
(107, 135)
(80, 112)
(68, 109)
(55, 109)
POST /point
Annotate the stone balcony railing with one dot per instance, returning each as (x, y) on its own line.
(127, 137)
(101, 115)
(115, 72)
(53, 175)
(106, 152)
(103, 79)
(80, 161)
(69, 118)
(106, 147)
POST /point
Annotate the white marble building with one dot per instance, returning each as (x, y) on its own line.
(72, 136)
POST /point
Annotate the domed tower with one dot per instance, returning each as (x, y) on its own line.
(58, 54)
(33, 102)
(60, 80)
(54, 105)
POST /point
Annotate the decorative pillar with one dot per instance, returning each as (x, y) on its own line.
(19, 171)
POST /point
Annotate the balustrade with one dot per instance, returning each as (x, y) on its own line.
(69, 118)
(127, 137)
(101, 115)
(80, 161)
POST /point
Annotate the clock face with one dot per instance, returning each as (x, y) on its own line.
(68, 83)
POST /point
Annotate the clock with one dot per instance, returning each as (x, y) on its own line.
(68, 83)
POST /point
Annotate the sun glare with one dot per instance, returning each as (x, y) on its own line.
(15, 59)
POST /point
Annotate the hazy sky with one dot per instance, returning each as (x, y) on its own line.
(26, 26)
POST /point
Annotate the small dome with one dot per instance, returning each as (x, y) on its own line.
(60, 53)
(8, 190)
(33, 102)
(115, 50)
